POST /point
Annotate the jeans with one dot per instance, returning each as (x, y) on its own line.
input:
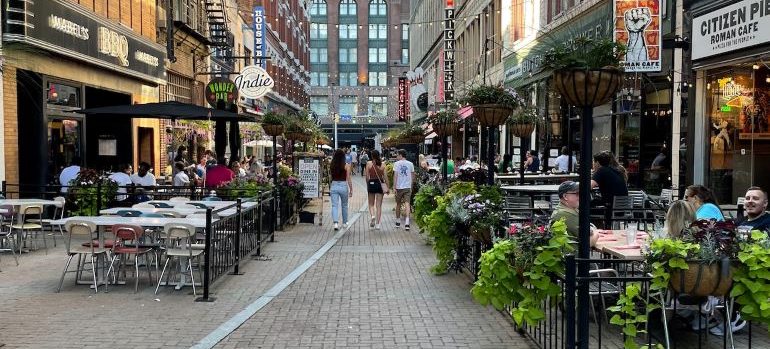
(339, 189)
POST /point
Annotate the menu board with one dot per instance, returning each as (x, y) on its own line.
(309, 174)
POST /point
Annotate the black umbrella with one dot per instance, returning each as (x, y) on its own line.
(166, 110)
(220, 140)
(235, 140)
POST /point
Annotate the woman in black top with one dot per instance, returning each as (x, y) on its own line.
(533, 162)
(375, 176)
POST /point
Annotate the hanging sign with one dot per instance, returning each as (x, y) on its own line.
(259, 36)
(637, 26)
(221, 89)
(309, 176)
(731, 28)
(254, 82)
(403, 99)
(449, 51)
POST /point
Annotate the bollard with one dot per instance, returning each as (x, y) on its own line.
(206, 260)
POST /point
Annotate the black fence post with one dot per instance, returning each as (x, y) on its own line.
(5, 189)
(206, 259)
(98, 198)
(277, 207)
(569, 301)
(260, 214)
(238, 232)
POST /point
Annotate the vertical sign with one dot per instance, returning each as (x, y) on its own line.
(449, 51)
(309, 175)
(637, 26)
(259, 36)
(403, 99)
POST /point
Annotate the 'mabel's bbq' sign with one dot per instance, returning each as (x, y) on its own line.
(731, 28)
(70, 30)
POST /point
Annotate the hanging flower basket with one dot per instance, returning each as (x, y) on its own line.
(443, 130)
(491, 114)
(521, 130)
(482, 234)
(272, 130)
(304, 137)
(588, 88)
(293, 136)
(413, 139)
(702, 280)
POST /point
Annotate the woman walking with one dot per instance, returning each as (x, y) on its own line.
(375, 178)
(341, 188)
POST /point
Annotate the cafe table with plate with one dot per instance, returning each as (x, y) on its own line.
(621, 244)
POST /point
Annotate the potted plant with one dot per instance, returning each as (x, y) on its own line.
(492, 105)
(444, 122)
(522, 122)
(483, 209)
(588, 72)
(90, 191)
(751, 284)
(273, 123)
(698, 264)
(411, 133)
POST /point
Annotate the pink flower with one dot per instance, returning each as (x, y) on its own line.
(512, 230)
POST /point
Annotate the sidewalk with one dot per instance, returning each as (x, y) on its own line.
(371, 289)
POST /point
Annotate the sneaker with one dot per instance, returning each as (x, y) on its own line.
(406, 227)
(737, 325)
(345, 225)
(371, 223)
(701, 322)
(377, 227)
(398, 224)
(336, 226)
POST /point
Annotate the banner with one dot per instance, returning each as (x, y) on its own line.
(637, 26)
(731, 28)
(259, 36)
(309, 176)
(403, 99)
(449, 51)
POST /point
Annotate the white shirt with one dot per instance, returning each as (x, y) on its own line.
(354, 156)
(123, 180)
(67, 175)
(404, 169)
(147, 181)
(562, 163)
(181, 179)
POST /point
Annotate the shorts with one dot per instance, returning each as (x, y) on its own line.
(403, 195)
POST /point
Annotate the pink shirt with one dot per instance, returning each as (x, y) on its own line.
(218, 176)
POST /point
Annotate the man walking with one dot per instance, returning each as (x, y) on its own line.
(354, 160)
(403, 177)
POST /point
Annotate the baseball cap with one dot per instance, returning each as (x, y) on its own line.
(567, 187)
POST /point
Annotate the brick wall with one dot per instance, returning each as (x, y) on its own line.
(11, 124)
(138, 15)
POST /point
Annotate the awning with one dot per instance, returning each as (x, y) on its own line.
(431, 135)
(465, 112)
(262, 143)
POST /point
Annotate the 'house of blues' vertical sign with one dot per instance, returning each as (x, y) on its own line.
(259, 36)
(449, 51)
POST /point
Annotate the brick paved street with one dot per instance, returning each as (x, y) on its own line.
(372, 289)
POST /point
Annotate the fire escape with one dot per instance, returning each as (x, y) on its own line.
(221, 40)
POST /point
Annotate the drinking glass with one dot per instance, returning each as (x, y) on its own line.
(631, 234)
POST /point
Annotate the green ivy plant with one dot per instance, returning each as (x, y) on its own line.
(627, 315)
(425, 203)
(667, 255)
(510, 274)
(751, 281)
(442, 229)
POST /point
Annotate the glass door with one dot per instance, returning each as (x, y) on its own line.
(65, 143)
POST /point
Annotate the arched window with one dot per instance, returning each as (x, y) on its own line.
(378, 8)
(318, 8)
(347, 7)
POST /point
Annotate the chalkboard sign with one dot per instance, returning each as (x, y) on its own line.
(309, 174)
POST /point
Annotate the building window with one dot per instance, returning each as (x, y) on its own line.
(404, 56)
(348, 105)
(318, 8)
(378, 78)
(347, 7)
(187, 11)
(318, 30)
(378, 105)
(404, 31)
(378, 55)
(378, 31)
(247, 54)
(319, 105)
(319, 55)
(348, 55)
(59, 94)
(319, 78)
(348, 79)
(348, 31)
(378, 8)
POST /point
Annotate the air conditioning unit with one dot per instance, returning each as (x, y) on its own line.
(161, 13)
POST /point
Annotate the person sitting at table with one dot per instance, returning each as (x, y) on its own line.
(703, 202)
(219, 175)
(181, 179)
(562, 161)
(567, 209)
(505, 166)
(532, 164)
(123, 179)
(755, 207)
(678, 218)
(611, 180)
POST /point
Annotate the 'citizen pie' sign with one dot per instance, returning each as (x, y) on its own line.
(254, 82)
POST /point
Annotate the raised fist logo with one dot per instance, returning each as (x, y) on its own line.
(636, 20)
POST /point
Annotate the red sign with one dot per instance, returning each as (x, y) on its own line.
(450, 3)
(403, 99)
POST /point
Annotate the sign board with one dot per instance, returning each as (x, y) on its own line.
(731, 28)
(254, 82)
(71, 30)
(221, 89)
(449, 51)
(259, 37)
(309, 175)
(637, 26)
(403, 99)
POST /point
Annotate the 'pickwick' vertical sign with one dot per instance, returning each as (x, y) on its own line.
(449, 50)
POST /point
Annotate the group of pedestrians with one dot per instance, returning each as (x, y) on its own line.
(377, 186)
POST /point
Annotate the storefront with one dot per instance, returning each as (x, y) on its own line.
(730, 47)
(61, 58)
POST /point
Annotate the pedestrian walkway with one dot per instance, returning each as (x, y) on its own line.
(372, 289)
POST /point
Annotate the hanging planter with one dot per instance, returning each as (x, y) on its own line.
(293, 136)
(272, 130)
(521, 130)
(491, 114)
(444, 122)
(701, 279)
(272, 123)
(588, 87)
(443, 130)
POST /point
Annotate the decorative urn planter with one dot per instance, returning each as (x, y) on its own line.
(446, 129)
(521, 129)
(702, 280)
(588, 87)
(272, 130)
(491, 114)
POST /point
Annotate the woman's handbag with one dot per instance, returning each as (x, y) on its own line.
(384, 185)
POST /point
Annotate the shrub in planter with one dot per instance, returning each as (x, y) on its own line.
(273, 123)
(523, 122)
(492, 105)
(444, 122)
(90, 191)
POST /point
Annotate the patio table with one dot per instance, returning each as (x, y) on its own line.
(538, 177)
(613, 243)
(182, 211)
